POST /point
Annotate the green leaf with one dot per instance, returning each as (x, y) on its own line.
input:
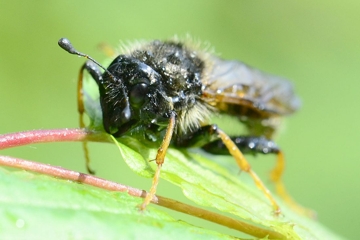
(212, 185)
(41, 207)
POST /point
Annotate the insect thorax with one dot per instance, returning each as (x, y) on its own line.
(174, 76)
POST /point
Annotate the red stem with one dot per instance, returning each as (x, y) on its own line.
(81, 135)
(54, 135)
(159, 200)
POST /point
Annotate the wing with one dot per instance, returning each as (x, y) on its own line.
(238, 89)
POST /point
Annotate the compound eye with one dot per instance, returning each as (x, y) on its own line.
(138, 94)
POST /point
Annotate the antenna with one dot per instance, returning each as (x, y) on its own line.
(65, 44)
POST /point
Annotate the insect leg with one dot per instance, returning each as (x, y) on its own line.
(211, 133)
(160, 157)
(245, 166)
(250, 144)
(199, 138)
(246, 144)
(96, 75)
(275, 176)
(254, 145)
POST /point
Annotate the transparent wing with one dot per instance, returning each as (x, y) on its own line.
(235, 83)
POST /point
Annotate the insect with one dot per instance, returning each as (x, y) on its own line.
(168, 91)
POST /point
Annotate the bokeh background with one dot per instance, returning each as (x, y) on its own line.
(316, 44)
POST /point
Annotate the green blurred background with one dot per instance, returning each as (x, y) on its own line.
(316, 44)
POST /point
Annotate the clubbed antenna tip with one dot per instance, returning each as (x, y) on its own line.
(65, 44)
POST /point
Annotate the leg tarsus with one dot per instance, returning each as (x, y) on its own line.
(150, 195)
(87, 159)
(160, 157)
(266, 191)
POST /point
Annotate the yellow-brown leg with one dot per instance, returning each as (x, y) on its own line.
(80, 97)
(275, 177)
(81, 110)
(160, 157)
(245, 166)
